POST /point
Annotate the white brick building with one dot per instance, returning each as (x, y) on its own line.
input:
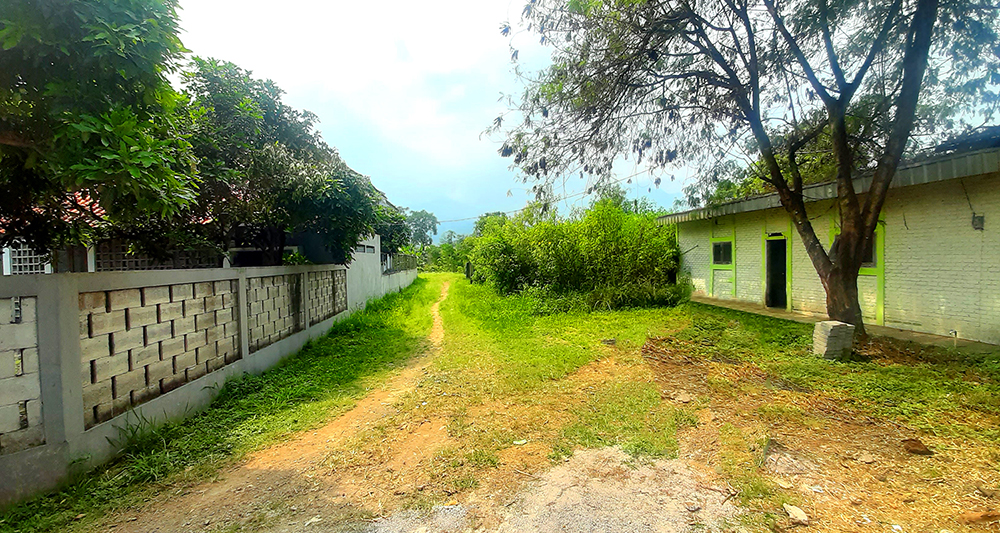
(935, 266)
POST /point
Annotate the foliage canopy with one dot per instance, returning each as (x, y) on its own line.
(87, 114)
(764, 84)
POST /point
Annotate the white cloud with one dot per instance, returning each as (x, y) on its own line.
(402, 88)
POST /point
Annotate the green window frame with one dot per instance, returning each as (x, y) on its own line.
(730, 267)
(875, 268)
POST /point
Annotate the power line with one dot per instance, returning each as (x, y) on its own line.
(560, 199)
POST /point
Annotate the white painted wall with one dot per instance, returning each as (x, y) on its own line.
(941, 275)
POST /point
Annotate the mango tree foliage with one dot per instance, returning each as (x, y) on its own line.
(87, 114)
(664, 81)
(266, 171)
(392, 229)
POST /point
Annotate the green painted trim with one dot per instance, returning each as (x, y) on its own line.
(787, 237)
(878, 271)
(712, 267)
(791, 228)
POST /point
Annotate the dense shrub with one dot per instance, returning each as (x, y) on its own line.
(602, 258)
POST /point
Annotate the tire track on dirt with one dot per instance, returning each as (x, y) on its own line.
(282, 474)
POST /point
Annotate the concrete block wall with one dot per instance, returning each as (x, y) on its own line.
(943, 275)
(96, 354)
(322, 301)
(21, 424)
(275, 309)
(136, 344)
(807, 293)
(694, 241)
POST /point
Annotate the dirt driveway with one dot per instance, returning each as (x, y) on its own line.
(291, 487)
(449, 444)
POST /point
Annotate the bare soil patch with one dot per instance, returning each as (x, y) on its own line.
(292, 477)
(848, 471)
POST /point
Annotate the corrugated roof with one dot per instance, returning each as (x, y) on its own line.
(938, 168)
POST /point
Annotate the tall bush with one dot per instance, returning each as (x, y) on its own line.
(618, 258)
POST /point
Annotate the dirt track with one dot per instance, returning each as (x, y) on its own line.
(291, 487)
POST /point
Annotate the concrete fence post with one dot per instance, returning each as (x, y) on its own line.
(242, 313)
(59, 359)
(304, 298)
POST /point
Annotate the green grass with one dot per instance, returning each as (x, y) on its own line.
(326, 378)
(933, 394)
(630, 415)
(507, 373)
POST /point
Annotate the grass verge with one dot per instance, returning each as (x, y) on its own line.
(324, 379)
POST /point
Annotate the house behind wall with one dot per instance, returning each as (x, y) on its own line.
(935, 263)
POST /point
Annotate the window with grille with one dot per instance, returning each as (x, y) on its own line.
(722, 253)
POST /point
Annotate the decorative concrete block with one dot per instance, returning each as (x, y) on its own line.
(171, 311)
(128, 382)
(194, 307)
(124, 298)
(224, 315)
(207, 352)
(97, 394)
(102, 322)
(158, 332)
(18, 389)
(196, 372)
(196, 339)
(145, 355)
(832, 339)
(159, 370)
(179, 293)
(8, 363)
(29, 361)
(34, 408)
(222, 286)
(105, 368)
(202, 290)
(213, 303)
(92, 300)
(204, 321)
(172, 347)
(155, 295)
(10, 418)
(95, 348)
(214, 333)
(183, 326)
(18, 336)
(123, 341)
(141, 316)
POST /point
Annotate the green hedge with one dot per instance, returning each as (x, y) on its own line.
(605, 257)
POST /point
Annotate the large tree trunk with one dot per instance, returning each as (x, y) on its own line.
(842, 299)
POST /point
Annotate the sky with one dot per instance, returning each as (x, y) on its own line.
(403, 90)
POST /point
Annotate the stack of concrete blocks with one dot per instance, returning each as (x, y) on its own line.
(832, 339)
(137, 344)
(20, 390)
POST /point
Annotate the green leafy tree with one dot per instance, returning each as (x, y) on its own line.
(392, 229)
(266, 171)
(670, 79)
(422, 224)
(87, 114)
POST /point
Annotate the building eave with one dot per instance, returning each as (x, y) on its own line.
(934, 169)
